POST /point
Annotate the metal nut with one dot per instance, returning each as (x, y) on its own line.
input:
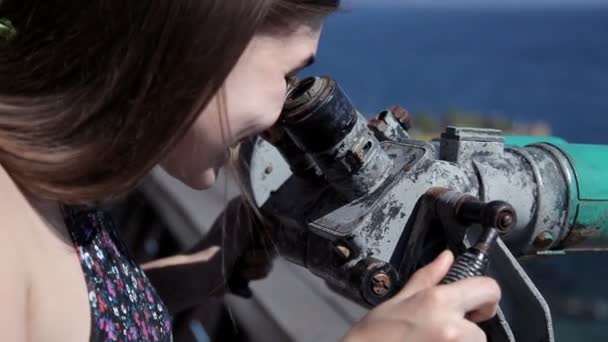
(505, 222)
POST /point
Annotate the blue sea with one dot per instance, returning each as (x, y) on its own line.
(531, 65)
(548, 65)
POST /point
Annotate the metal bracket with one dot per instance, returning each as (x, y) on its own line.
(524, 314)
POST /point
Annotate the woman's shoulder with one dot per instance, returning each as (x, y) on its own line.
(33, 224)
(13, 287)
(43, 268)
(14, 211)
(22, 226)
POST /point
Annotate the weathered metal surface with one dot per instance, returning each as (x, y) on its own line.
(373, 206)
(522, 306)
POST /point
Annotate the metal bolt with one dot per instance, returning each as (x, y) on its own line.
(268, 169)
(403, 116)
(342, 251)
(544, 240)
(505, 222)
(381, 283)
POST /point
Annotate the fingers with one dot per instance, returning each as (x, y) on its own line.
(428, 276)
(256, 273)
(258, 259)
(202, 256)
(457, 331)
(478, 296)
(483, 313)
(254, 269)
(471, 332)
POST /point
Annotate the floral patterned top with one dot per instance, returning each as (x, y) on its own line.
(124, 305)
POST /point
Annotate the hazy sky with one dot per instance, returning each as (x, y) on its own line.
(485, 3)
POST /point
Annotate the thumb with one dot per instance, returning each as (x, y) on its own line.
(428, 276)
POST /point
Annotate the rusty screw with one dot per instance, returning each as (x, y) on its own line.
(403, 116)
(505, 222)
(544, 240)
(381, 283)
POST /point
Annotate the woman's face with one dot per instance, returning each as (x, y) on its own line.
(249, 103)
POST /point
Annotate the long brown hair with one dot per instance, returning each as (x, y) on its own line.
(94, 93)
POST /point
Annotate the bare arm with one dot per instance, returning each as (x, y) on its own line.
(13, 288)
(186, 280)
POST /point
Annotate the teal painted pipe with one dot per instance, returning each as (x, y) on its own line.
(588, 214)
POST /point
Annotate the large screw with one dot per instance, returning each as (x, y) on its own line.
(506, 222)
(381, 283)
(403, 116)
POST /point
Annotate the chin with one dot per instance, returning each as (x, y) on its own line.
(195, 180)
(202, 181)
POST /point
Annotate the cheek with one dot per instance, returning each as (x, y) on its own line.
(196, 157)
(272, 109)
(258, 110)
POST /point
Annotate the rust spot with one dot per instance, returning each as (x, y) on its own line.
(579, 234)
(381, 283)
(402, 115)
(544, 240)
(380, 125)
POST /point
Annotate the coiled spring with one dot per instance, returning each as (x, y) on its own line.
(469, 264)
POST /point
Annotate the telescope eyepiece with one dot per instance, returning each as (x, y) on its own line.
(317, 114)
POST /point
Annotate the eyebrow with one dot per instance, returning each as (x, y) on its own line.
(306, 63)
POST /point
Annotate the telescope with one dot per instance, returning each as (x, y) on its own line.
(362, 204)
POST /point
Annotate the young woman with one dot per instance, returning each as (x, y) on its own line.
(93, 94)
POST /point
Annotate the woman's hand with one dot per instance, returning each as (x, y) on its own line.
(244, 245)
(236, 247)
(425, 311)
